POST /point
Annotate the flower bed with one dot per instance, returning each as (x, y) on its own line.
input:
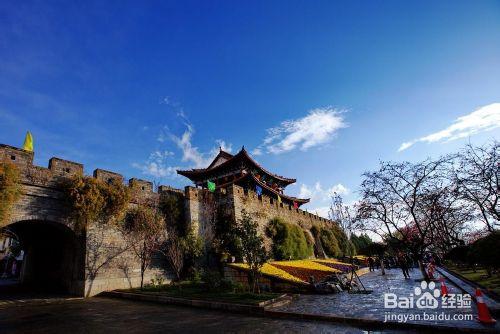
(334, 264)
(305, 264)
(299, 271)
(305, 274)
(270, 270)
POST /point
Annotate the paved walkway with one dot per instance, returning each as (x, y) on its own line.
(371, 306)
(11, 293)
(105, 315)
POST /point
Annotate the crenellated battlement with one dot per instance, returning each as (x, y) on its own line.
(43, 203)
(60, 168)
(279, 209)
(236, 195)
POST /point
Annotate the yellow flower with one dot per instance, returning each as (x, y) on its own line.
(306, 264)
(268, 269)
(331, 261)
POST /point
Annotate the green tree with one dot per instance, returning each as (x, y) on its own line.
(328, 241)
(226, 241)
(483, 252)
(289, 240)
(253, 248)
(361, 242)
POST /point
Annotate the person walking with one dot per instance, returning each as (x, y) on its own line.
(403, 264)
(371, 263)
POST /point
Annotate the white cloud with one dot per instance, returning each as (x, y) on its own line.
(339, 189)
(228, 147)
(256, 151)
(156, 165)
(318, 127)
(483, 119)
(318, 194)
(320, 198)
(192, 154)
(321, 211)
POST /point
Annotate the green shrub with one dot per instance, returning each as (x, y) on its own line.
(484, 251)
(360, 242)
(330, 243)
(334, 241)
(196, 275)
(212, 280)
(289, 241)
(458, 254)
(227, 285)
(343, 242)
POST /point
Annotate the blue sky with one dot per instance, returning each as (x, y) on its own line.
(323, 90)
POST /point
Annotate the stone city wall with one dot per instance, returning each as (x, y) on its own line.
(100, 259)
(233, 199)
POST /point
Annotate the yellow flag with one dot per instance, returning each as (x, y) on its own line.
(279, 199)
(28, 142)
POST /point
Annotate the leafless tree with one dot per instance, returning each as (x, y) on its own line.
(144, 232)
(173, 250)
(477, 176)
(99, 252)
(341, 214)
(407, 203)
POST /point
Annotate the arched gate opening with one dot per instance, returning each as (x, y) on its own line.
(52, 257)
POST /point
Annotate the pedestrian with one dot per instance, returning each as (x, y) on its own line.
(404, 266)
(371, 263)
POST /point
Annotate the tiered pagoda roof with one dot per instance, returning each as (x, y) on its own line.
(243, 170)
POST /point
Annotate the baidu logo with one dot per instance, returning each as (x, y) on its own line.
(425, 296)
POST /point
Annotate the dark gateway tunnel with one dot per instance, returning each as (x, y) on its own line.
(53, 257)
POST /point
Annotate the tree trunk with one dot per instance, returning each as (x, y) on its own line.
(422, 270)
(143, 269)
(382, 265)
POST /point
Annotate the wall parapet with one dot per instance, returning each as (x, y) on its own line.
(268, 201)
(60, 168)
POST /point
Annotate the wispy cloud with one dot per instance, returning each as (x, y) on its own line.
(191, 153)
(161, 164)
(319, 126)
(256, 151)
(321, 197)
(483, 119)
(157, 165)
(317, 192)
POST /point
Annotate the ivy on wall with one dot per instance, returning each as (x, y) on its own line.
(10, 190)
(334, 241)
(93, 200)
(290, 242)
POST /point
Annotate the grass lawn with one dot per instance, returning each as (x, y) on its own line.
(191, 290)
(492, 283)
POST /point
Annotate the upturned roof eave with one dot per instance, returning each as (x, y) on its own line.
(192, 173)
